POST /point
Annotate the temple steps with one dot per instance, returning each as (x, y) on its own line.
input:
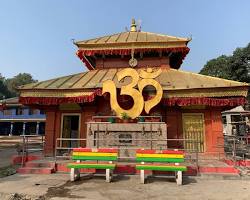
(40, 164)
(33, 170)
(37, 168)
(218, 170)
(220, 176)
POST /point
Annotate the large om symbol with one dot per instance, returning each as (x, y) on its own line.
(147, 78)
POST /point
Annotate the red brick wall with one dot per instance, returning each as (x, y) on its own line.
(50, 133)
(213, 127)
(172, 116)
(174, 126)
(213, 131)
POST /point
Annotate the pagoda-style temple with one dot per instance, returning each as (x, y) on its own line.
(134, 75)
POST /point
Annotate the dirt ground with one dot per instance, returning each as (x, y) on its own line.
(58, 187)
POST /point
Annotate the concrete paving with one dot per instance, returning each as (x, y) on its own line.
(58, 187)
(5, 156)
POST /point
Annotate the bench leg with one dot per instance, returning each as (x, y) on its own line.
(108, 175)
(74, 174)
(179, 178)
(142, 174)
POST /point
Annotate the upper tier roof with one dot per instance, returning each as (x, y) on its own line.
(130, 43)
(139, 39)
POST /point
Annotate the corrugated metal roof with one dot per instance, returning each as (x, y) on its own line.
(132, 37)
(13, 100)
(170, 79)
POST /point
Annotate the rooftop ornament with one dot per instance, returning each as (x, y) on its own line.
(133, 27)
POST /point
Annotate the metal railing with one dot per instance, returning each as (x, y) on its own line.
(237, 147)
(114, 116)
(31, 144)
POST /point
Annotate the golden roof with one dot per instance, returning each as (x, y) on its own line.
(133, 39)
(174, 82)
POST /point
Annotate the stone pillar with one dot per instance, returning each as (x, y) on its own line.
(24, 125)
(37, 128)
(11, 128)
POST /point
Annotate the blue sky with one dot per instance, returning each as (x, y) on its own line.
(35, 35)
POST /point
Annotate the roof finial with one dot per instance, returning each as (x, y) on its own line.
(133, 26)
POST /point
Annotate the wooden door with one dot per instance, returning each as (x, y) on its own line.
(66, 130)
(193, 130)
(70, 130)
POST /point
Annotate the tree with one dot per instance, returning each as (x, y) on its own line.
(4, 93)
(235, 67)
(218, 67)
(18, 80)
(240, 64)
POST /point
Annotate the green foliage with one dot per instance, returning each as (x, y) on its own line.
(8, 87)
(125, 116)
(4, 93)
(111, 119)
(235, 67)
(141, 119)
(18, 80)
(218, 67)
(240, 64)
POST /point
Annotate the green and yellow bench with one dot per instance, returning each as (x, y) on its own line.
(160, 161)
(107, 156)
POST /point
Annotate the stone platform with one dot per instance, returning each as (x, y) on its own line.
(127, 136)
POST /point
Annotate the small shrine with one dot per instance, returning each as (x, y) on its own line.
(134, 95)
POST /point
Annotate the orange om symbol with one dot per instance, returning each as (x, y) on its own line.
(147, 78)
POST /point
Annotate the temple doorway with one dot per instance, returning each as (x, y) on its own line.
(70, 129)
(193, 131)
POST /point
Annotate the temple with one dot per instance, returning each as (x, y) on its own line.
(134, 75)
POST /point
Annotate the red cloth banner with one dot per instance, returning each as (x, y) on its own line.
(81, 53)
(215, 102)
(59, 100)
(84, 52)
(204, 101)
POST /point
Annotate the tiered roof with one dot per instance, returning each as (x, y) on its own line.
(132, 41)
(174, 82)
(177, 84)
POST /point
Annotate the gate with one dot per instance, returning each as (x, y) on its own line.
(193, 130)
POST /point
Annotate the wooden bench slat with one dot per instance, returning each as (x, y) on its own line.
(104, 150)
(91, 166)
(150, 159)
(144, 155)
(82, 150)
(93, 154)
(101, 158)
(108, 150)
(149, 151)
(161, 167)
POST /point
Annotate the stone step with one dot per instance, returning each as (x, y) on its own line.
(218, 170)
(220, 176)
(35, 170)
(40, 165)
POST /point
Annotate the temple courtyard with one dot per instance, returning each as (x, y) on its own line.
(58, 186)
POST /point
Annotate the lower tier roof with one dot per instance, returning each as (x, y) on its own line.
(175, 83)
